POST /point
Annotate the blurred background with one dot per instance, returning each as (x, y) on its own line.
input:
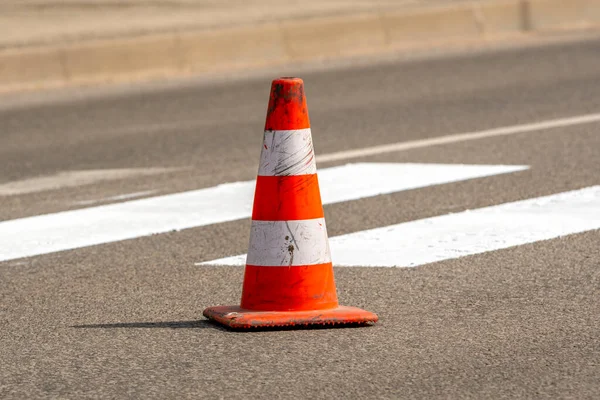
(49, 43)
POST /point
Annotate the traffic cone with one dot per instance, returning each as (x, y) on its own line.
(289, 278)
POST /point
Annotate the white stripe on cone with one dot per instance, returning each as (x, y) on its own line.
(287, 153)
(288, 243)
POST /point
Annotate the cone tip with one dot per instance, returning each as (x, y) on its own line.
(287, 105)
(289, 80)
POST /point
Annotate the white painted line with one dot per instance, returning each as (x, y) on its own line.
(470, 232)
(119, 197)
(373, 179)
(288, 243)
(286, 153)
(114, 222)
(75, 178)
(460, 137)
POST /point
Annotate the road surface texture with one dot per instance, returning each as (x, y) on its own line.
(124, 319)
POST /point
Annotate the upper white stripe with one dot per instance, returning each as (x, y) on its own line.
(288, 243)
(73, 229)
(286, 153)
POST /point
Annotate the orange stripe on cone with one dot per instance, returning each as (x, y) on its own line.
(288, 229)
(280, 198)
(306, 287)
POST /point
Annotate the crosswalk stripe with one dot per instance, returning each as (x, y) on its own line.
(470, 232)
(228, 202)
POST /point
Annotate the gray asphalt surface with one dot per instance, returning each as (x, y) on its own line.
(123, 320)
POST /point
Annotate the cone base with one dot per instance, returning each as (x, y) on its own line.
(235, 317)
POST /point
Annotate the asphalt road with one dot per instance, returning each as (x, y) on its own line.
(123, 319)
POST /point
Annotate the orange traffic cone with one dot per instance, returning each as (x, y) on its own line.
(289, 276)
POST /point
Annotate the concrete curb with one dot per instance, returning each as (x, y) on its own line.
(171, 54)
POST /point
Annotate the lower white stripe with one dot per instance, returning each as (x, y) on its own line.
(286, 153)
(288, 243)
(470, 232)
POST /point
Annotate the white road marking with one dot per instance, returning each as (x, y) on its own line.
(114, 222)
(119, 197)
(470, 232)
(460, 137)
(75, 178)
